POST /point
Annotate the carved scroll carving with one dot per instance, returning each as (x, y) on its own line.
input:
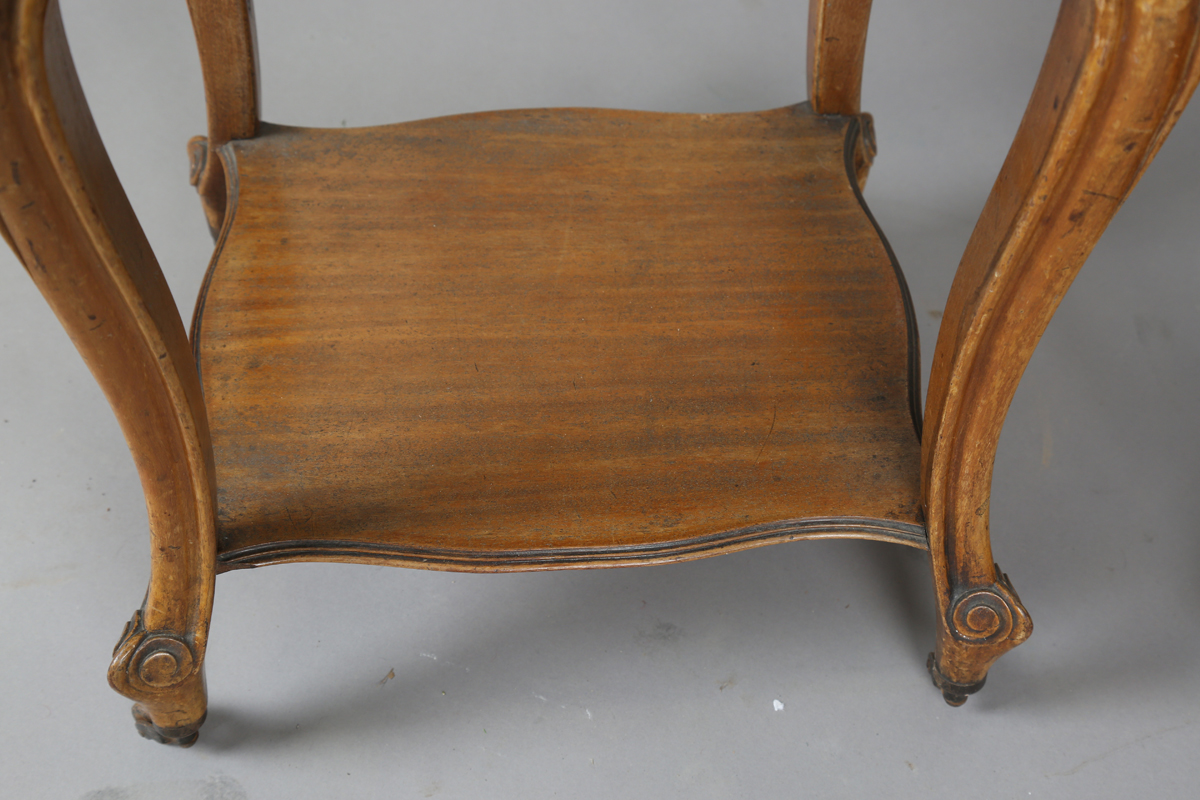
(147, 665)
(982, 623)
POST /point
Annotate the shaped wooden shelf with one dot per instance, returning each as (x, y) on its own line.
(563, 338)
(555, 338)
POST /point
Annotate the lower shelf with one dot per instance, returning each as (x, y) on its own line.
(554, 339)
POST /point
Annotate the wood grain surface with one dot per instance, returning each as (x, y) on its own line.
(540, 339)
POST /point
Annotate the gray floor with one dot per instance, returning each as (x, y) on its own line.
(656, 682)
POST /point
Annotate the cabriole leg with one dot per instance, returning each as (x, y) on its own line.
(66, 216)
(1116, 77)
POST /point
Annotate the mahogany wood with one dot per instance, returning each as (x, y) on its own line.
(593, 338)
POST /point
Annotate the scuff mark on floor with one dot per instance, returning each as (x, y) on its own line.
(1118, 748)
(215, 787)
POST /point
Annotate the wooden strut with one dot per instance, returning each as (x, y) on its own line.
(837, 43)
(225, 37)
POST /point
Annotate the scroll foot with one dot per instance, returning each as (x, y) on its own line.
(981, 624)
(163, 673)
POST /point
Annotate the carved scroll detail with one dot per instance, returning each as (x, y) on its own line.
(982, 623)
(864, 149)
(197, 150)
(145, 661)
(148, 665)
(984, 615)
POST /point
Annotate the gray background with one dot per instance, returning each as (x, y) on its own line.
(652, 682)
